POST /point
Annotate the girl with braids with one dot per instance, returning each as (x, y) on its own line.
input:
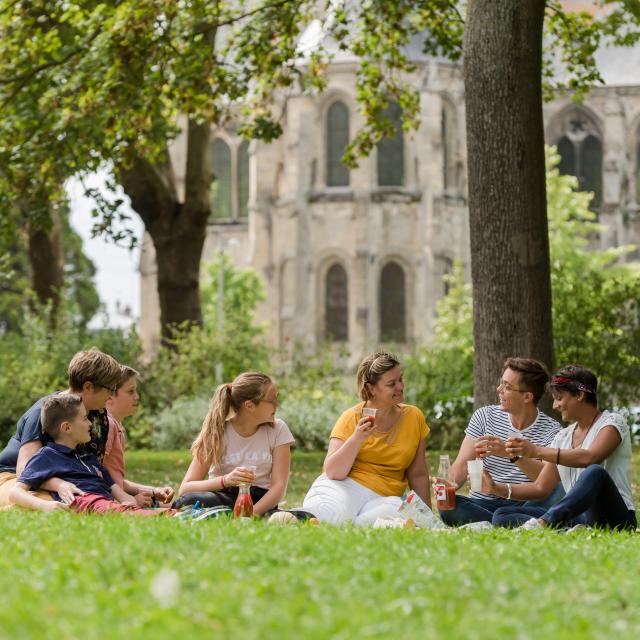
(591, 457)
(239, 433)
(370, 461)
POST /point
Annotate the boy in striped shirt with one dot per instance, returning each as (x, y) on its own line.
(521, 386)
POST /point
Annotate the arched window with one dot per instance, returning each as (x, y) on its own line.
(580, 152)
(448, 132)
(336, 304)
(391, 151)
(243, 179)
(638, 166)
(221, 205)
(337, 140)
(392, 303)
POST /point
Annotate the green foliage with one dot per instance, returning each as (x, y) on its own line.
(596, 297)
(15, 284)
(187, 365)
(439, 375)
(34, 361)
(596, 317)
(177, 426)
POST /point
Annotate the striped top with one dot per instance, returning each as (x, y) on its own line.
(493, 421)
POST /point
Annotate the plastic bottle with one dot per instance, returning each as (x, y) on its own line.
(243, 507)
(445, 493)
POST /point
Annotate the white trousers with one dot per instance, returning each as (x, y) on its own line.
(338, 501)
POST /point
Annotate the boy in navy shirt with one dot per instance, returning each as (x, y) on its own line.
(93, 376)
(64, 419)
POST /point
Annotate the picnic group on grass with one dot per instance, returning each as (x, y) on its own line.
(68, 452)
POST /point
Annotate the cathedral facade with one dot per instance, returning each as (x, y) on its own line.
(358, 256)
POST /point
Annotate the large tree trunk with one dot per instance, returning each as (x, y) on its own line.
(46, 259)
(178, 229)
(507, 196)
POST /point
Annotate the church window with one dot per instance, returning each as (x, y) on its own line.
(336, 304)
(243, 179)
(337, 140)
(391, 151)
(221, 205)
(392, 303)
(581, 156)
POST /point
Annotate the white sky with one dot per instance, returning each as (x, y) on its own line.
(117, 277)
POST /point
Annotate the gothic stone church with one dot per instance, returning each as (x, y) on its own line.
(358, 256)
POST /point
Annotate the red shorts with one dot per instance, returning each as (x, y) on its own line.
(96, 503)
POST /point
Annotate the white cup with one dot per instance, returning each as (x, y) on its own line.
(369, 411)
(475, 467)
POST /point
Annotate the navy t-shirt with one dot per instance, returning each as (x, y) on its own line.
(30, 428)
(58, 461)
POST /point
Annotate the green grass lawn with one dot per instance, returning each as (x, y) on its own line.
(67, 576)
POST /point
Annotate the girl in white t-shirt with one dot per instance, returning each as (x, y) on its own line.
(239, 433)
(592, 458)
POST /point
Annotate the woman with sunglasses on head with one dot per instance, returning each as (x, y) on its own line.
(239, 434)
(376, 448)
(592, 458)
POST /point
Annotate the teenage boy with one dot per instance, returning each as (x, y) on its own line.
(64, 419)
(520, 388)
(93, 377)
(122, 404)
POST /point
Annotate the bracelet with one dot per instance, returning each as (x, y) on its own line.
(515, 459)
(508, 491)
(224, 486)
(558, 456)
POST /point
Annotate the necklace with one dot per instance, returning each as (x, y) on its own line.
(573, 471)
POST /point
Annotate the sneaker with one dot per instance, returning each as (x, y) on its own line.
(576, 527)
(211, 512)
(532, 523)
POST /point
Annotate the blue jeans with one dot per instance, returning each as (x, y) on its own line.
(479, 509)
(514, 515)
(593, 500)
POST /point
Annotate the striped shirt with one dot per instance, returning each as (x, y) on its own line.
(493, 421)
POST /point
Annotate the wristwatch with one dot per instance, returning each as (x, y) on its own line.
(515, 459)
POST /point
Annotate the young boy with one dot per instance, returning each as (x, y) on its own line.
(122, 404)
(64, 419)
(93, 377)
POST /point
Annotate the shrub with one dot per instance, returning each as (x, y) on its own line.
(311, 416)
(177, 426)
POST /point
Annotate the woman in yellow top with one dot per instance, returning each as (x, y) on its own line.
(370, 460)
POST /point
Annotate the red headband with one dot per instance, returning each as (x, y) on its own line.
(561, 380)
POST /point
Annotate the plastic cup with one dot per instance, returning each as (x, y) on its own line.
(369, 412)
(475, 468)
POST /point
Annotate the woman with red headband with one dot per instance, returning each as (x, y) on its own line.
(592, 458)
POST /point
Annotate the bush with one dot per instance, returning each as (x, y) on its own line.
(177, 426)
(311, 415)
(35, 360)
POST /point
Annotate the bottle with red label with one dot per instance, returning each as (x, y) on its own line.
(445, 493)
(243, 507)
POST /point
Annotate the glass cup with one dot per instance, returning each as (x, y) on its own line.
(475, 468)
(251, 468)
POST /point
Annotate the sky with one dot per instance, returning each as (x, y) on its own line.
(117, 277)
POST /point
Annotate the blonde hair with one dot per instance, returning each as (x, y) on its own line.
(371, 369)
(93, 366)
(251, 385)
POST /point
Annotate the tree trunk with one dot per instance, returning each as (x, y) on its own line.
(178, 229)
(46, 259)
(507, 196)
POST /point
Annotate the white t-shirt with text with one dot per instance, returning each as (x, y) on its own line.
(256, 450)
